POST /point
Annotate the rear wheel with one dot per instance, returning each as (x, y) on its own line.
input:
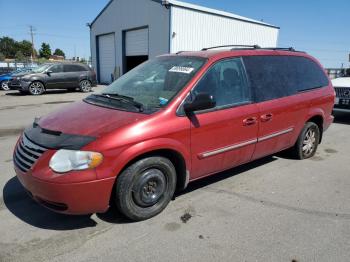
(307, 142)
(5, 85)
(36, 88)
(145, 188)
(85, 86)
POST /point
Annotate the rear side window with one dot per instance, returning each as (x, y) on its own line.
(305, 74)
(74, 68)
(273, 77)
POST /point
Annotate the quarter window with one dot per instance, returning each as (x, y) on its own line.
(226, 83)
(74, 68)
(273, 77)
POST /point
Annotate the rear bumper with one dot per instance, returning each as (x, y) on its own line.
(328, 122)
(76, 198)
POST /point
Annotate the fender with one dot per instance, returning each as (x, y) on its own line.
(123, 157)
(315, 112)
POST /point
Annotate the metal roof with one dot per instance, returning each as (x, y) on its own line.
(197, 8)
(215, 12)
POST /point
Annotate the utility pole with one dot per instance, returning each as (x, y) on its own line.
(32, 29)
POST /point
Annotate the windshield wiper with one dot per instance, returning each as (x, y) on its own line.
(126, 99)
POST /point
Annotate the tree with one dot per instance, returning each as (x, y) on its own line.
(2, 57)
(25, 47)
(8, 47)
(19, 56)
(45, 50)
(59, 52)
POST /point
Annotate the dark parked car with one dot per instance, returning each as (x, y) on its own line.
(54, 76)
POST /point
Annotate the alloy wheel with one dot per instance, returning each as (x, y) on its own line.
(309, 142)
(85, 86)
(5, 85)
(36, 88)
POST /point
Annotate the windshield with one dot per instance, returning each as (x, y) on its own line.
(40, 69)
(155, 83)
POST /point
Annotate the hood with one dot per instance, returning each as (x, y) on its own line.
(4, 75)
(81, 118)
(22, 74)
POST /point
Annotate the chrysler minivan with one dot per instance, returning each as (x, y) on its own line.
(170, 121)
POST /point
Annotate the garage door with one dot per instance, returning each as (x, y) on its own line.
(136, 42)
(106, 57)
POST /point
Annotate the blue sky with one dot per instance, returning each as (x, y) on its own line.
(320, 27)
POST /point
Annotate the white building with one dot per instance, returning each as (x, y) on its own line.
(128, 32)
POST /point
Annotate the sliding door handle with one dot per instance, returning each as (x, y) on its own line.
(266, 118)
(250, 121)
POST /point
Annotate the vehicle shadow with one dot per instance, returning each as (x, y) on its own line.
(341, 118)
(48, 92)
(226, 174)
(26, 209)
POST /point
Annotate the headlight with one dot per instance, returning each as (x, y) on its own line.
(67, 160)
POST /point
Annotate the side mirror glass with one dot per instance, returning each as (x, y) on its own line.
(202, 101)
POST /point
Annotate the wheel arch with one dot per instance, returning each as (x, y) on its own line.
(174, 156)
(38, 80)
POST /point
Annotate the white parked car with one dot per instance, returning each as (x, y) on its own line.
(342, 90)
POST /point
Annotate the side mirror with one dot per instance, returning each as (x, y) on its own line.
(49, 72)
(202, 101)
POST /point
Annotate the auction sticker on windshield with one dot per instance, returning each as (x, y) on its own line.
(182, 69)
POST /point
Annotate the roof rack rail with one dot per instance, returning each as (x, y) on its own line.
(247, 47)
(221, 46)
(291, 49)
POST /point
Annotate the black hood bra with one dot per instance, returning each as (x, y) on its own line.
(55, 139)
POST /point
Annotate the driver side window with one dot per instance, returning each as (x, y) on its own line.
(226, 82)
(56, 69)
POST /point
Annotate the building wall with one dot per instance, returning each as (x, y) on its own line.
(129, 14)
(193, 30)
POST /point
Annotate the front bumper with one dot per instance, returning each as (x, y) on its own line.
(75, 198)
(18, 85)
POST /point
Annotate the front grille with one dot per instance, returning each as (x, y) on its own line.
(27, 153)
(342, 92)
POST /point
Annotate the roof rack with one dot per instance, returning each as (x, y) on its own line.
(221, 46)
(247, 47)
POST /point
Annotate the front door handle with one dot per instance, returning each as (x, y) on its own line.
(249, 121)
(266, 118)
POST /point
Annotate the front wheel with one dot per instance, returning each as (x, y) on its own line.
(307, 142)
(36, 88)
(5, 85)
(145, 188)
(85, 86)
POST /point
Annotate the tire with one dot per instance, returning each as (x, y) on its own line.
(308, 141)
(4, 85)
(145, 188)
(36, 88)
(85, 86)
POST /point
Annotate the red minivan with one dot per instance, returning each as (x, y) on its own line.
(170, 121)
